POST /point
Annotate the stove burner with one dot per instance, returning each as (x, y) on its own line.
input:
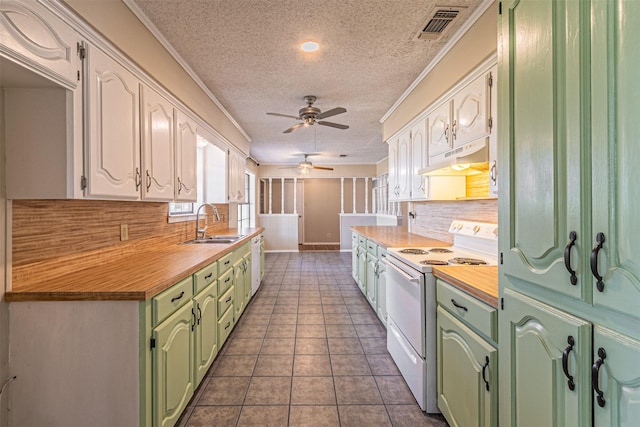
(440, 251)
(413, 251)
(433, 262)
(467, 261)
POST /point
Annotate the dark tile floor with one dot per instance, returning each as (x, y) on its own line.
(308, 351)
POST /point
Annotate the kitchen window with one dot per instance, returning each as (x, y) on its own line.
(246, 211)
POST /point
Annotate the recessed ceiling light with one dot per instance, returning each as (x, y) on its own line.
(310, 46)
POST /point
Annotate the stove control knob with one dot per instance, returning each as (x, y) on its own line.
(476, 229)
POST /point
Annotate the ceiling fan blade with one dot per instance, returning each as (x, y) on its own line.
(294, 127)
(284, 115)
(332, 112)
(333, 125)
(323, 168)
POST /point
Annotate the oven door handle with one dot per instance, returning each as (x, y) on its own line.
(408, 277)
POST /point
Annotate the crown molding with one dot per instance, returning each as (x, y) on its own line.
(165, 43)
(473, 18)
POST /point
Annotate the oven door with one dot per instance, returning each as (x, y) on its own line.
(406, 302)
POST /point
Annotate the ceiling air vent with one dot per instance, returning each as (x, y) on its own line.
(440, 20)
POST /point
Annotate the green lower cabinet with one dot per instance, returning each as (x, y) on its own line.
(381, 303)
(238, 283)
(247, 279)
(615, 362)
(467, 375)
(172, 366)
(354, 256)
(535, 339)
(362, 269)
(371, 281)
(206, 335)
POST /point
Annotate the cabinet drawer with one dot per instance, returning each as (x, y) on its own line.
(372, 248)
(225, 301)
(166, 303)
(354, 238)
(225, 326)
(225, 263)
(362, 241)
(205, 277)
(225, 281)
(473, 312)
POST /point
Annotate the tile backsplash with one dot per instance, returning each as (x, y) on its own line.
(432, 219)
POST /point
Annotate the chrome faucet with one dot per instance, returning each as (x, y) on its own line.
(201, 232)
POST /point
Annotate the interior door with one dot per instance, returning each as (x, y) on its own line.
(300, 210)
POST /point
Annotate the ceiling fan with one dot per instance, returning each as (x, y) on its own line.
(311, 115)
(305, 166)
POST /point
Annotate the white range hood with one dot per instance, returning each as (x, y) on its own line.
(460, 160)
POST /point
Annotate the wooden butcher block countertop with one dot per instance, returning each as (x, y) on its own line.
(479, 281)
(135, 276)
(395, 237)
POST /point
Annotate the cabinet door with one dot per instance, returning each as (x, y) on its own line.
(112, 118)
(247, 279)
(262, 257)
(615, 154)
(382, 290)
(372, 273)
(238, 283)
(418, 160)
(362, 270)
(172, 365)
(618, 378)
(541, 145)
(234, 167)
(354, 258)
(393, 170)
(404, 166)
(467, 375)
(534, 389)
(157, 146)
(186, 154)
(470, 112)
(35, 37)
(439, 132)
(206, 331)
(240, 179)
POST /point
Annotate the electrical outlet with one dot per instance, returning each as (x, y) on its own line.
(124, 232)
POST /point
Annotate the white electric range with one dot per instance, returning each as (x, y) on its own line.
(411, 301)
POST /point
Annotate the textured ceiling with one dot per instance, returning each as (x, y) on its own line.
(247, 53)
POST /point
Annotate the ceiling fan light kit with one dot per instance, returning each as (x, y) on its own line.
(311, 115)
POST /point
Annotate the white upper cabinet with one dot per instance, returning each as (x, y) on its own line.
(157, 146)
(393, 170)
(186, 155)
(236, 177)
(33, 36)
(404, 179)
(439, 129)
(470, 112)
(462, 118)
(111, 118)
(418, 159)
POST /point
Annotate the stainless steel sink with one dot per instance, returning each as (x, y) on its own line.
(213, 240)
(221, 237)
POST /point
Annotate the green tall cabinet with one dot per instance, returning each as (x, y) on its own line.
(569, 241)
